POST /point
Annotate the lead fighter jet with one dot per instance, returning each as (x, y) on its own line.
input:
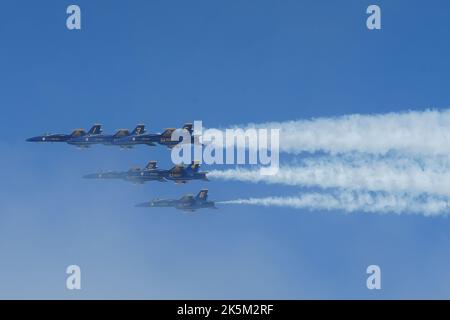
(178, 174)
(61, 137)
(187, 203)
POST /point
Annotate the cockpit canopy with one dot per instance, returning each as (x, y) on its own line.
(78, 133)
(122, 133)
(187, 197)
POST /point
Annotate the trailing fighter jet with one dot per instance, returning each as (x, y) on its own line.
(178, 174)
(151, 139)
(183, 174)
(61, 137)
(106, 139)
(187, 203)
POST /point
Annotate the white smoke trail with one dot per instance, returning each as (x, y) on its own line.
(395, 162)
(357, 202)
(414, 133)
(364, 173)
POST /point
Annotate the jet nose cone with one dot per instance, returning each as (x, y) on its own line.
(34, 139)
(37, 139)
(142, 205)
(91, 176)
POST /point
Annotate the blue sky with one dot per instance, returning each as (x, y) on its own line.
(225, 63)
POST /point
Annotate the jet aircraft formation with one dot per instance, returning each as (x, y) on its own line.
(123, 138)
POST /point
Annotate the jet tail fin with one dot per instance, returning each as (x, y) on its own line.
(194, 166)
(188, 127)
(96, 129)
(140, 129)
(202, 195)
(151, 165)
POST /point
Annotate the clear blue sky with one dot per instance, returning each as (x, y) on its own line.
(224, 62)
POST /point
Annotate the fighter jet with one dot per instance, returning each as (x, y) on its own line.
(178, 174)
(151, 139)
(61, 137)
(187, 203)
(183, 174)
(106, 139)
(135, 175)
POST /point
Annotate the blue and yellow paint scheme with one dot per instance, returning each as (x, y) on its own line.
(135, 175)
(61, 137)
(151, 139)
(122, 138)
(188, 203)
(106, 139)
(178, 174)
(83, 139)
(183, 174)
